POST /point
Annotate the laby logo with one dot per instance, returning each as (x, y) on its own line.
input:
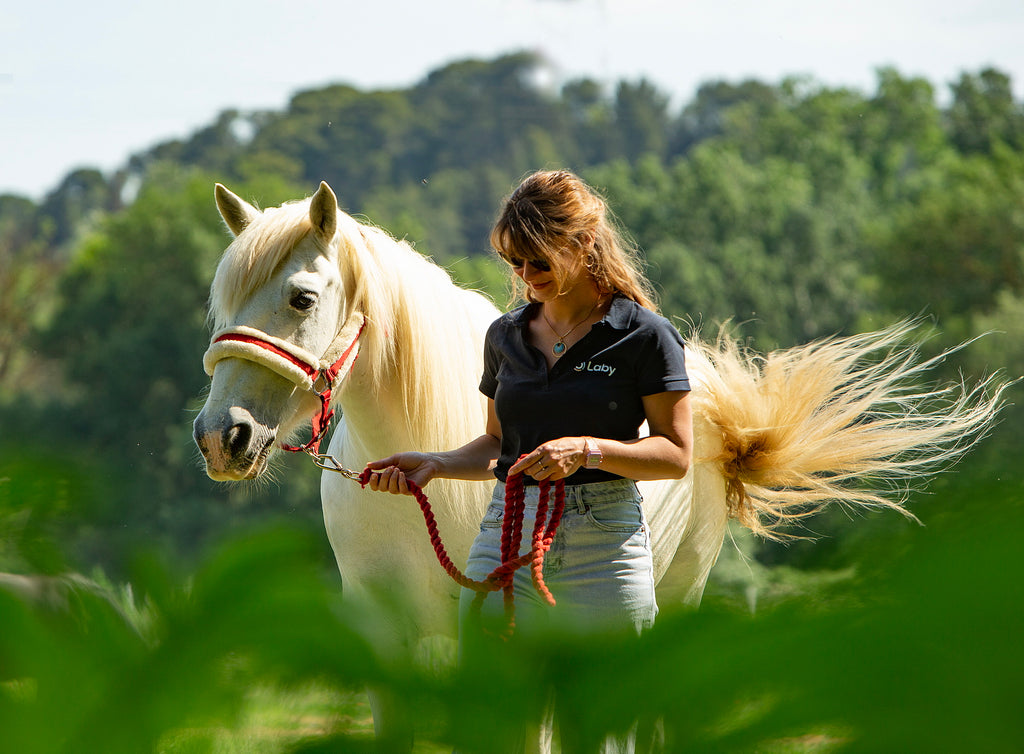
(588, 366)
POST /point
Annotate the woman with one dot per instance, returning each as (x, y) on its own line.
(570, 377)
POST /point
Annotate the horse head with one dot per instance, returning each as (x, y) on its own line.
(284, 330)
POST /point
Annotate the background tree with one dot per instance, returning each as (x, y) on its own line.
(641, 119)
(27, 275)
(899, 132)
(984, 113)
(958, 244)
(705, 116)
(73, 206)
(590, 120)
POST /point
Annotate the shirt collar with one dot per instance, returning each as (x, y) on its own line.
(524, 314)
(619, 315)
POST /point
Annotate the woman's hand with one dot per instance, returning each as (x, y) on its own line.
(553, 460)
(393, 474)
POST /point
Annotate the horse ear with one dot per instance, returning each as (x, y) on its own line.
(323, 212)
(237, 212)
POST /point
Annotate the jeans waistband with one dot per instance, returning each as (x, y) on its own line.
(578, 495)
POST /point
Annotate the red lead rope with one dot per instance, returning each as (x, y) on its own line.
(511, 538)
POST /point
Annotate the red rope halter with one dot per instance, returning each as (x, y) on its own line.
(317, 374)
(544, 530)
(321, 378)
(321, 420)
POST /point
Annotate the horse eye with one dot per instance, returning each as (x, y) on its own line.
(303, 301)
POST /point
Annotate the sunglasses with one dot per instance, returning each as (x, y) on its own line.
(538, 264)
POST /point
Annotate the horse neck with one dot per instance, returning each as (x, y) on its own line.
(371, 408)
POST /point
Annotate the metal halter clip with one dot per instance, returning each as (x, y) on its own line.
(322, 383)
(328, 462)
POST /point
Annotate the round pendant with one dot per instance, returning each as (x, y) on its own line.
(558, 348)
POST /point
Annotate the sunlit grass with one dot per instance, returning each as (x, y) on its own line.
(822, 742)
(278, 718)
(275, 718)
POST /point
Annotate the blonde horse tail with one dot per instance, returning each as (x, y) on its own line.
(842, 420)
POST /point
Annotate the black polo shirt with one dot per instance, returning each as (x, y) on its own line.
(595, 388)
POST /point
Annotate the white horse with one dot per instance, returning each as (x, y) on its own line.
(304, 287)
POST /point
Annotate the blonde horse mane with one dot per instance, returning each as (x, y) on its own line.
(418, 329)
(837, 420)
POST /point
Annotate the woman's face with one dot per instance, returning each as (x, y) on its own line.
(538, 277)
(542, 281)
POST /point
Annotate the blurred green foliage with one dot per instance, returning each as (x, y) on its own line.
(915, 648)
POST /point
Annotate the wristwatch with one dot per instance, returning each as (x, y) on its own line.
(594, 455)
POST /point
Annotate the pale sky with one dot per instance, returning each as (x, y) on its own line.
(89, 84)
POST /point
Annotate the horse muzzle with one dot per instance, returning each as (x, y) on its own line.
(234, 444)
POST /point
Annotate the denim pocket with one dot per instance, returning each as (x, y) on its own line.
(616, 515)
(494, 516)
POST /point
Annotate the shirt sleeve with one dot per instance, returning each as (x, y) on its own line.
(492, 361)
(662, 364)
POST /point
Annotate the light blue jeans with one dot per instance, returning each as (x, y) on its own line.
(599, 570)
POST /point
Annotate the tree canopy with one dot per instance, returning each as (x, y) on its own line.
(791, 209)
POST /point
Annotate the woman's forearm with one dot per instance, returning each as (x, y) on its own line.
(664, 454)
(474, 461)
(654, 457)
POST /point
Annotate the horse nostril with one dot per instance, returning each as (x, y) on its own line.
(237, 439)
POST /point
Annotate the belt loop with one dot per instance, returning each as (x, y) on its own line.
(577, 493)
